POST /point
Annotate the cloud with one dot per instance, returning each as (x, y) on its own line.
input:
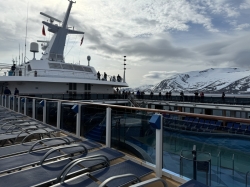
(232, 50)
(242, 26)
(159, 74)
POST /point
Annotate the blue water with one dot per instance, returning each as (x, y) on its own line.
(222, 174)
(231, 141)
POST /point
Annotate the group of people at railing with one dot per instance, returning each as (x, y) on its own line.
(198, 97)
(111, 78)
(8, 92)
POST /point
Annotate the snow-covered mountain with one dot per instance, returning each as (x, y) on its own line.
(214, 80)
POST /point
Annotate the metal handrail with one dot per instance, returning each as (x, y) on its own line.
(46, 132)
(66, 168)
(65, 139)
(62, 147)
(103, 184)
(150, 181)
(231, 119)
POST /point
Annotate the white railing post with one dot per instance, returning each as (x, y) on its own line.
(33, 108)
(158, 149)
(14, 102)
(58, 114)
(108, 127)
(18, 104)
(9, 101)
(25, 106)
(44, 111)
(78, 121)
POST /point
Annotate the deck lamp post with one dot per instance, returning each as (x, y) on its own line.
(88, 58)
(124, 68)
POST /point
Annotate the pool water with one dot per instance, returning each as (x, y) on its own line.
(230, 154)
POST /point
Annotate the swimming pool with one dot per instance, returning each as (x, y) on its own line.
(230, 154)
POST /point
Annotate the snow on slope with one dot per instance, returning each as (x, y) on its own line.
(230, 80)
(213, 80)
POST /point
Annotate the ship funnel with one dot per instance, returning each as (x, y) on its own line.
(34, 48)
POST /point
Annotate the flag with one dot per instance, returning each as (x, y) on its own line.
(81, 40)
(43, 31)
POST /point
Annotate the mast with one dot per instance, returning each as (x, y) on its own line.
(55, 50)
(66, 18)
(124, 69)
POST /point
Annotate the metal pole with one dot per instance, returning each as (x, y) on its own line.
(233, 164)
(44, 111)
(158, 150)
(33, 108)
(25, 106)
(108, 127)
(58, 114)
(194, 162)
(78, 121)
(18, 104)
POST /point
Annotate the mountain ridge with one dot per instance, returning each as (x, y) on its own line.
(213, 80)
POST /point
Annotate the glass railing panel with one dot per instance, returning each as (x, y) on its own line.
(11, 102)
(39, 110)
(22, 105)
(16, 104)
(228, 146)
(57, 96)
(79, 97)
(29, 106)
(51, 113)
(94, 97)
(49, 96)
(68, 118)
(7, 101)
(93, 122)
(132, 133)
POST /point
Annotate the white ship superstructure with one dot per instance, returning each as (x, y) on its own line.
(51, 74)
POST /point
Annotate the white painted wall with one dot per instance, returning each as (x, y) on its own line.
(55, 88)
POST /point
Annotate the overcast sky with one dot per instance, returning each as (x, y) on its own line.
(159, 37)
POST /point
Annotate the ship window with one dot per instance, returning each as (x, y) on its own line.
(87, 69)
(59, 57)
(55, 66)
(78, 68)
(29, 68)
(52, 56)
(87, 86)
(67, 66)
(72, 86)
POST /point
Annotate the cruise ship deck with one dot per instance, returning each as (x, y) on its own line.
(54, 142)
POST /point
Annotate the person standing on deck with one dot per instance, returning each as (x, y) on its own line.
(98, 75)
(7, 91)
(223, 96)
(169, 95)
(202, 96)
(16, 91)
(105, 76)
(151, 95)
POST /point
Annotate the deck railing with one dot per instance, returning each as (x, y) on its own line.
(133, 132)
